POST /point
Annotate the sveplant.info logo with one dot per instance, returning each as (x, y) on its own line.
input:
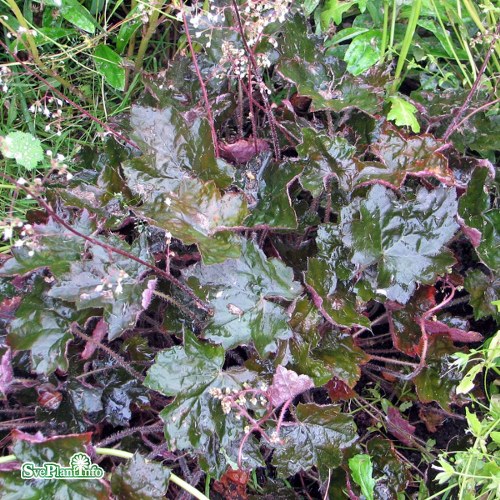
(80, 467)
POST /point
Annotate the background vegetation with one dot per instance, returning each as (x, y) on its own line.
(252, 246)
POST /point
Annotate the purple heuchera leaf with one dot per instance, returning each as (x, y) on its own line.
(286, 385)
(6, 374)
(147, 294)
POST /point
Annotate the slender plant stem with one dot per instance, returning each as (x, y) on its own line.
(109, 248)
(410, 31)
(208, 108)
(384, 31)
(454, 123)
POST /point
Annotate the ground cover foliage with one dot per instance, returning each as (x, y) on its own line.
(274, 279)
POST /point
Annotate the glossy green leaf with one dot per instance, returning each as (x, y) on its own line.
(241, 292)
(176, 144)
(403, 156)
(316, 439)
(362, 474)
(109, 65)
(333, 11)
(42, 325)
(438, 380)
(326, 157)
(309, 6)
(188, 372)
(140, 480)
(108, 281)
(75, 13)
(403, 240)
(403, 113)
(474, 208)
(274, 205)
(328, 91)
(363, 52)
(391, 473)
(483, 290)
(24, 148)
(404, 321)
(194, 213)
(51, 245)
(329, 277)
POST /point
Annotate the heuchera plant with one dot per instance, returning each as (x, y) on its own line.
(259, 286)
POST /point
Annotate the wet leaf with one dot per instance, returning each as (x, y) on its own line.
(176, 145)
(274, 206)
(404, 321)
(109, 281)
(287, 385)
(390, 472)
(330, 91)
(240, 291)
(24, 148)
(405, 239)
(140, 480)
(474, 208)
(402, 156)
(438, 380)
(51, 245)
(483, 290)
(317, 439)
(42, 326)
(326, 157)
(194, 211)
(188, 373)
(329, 279)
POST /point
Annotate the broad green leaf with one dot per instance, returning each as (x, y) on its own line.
(404, 321)
(108, 281)
(333, 10)
(41, 325)
(241, 292)
(274, 205)
(329, 277)
(51, 245)
(188, 373)
(58, 449)
(127, 29)
(326, 157)
(140, 479)
(75, 13)
(438, 380)
(24, 148)
(363, 52)
(109, 65)
(402, 156)
(483, 289)
(309, 6)
(317, 438)
(175, 145)
(403, 113)
(362, 473)
(474, 208)
(391, 472)
(404, 240)
(329, 87)
(194, 211)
